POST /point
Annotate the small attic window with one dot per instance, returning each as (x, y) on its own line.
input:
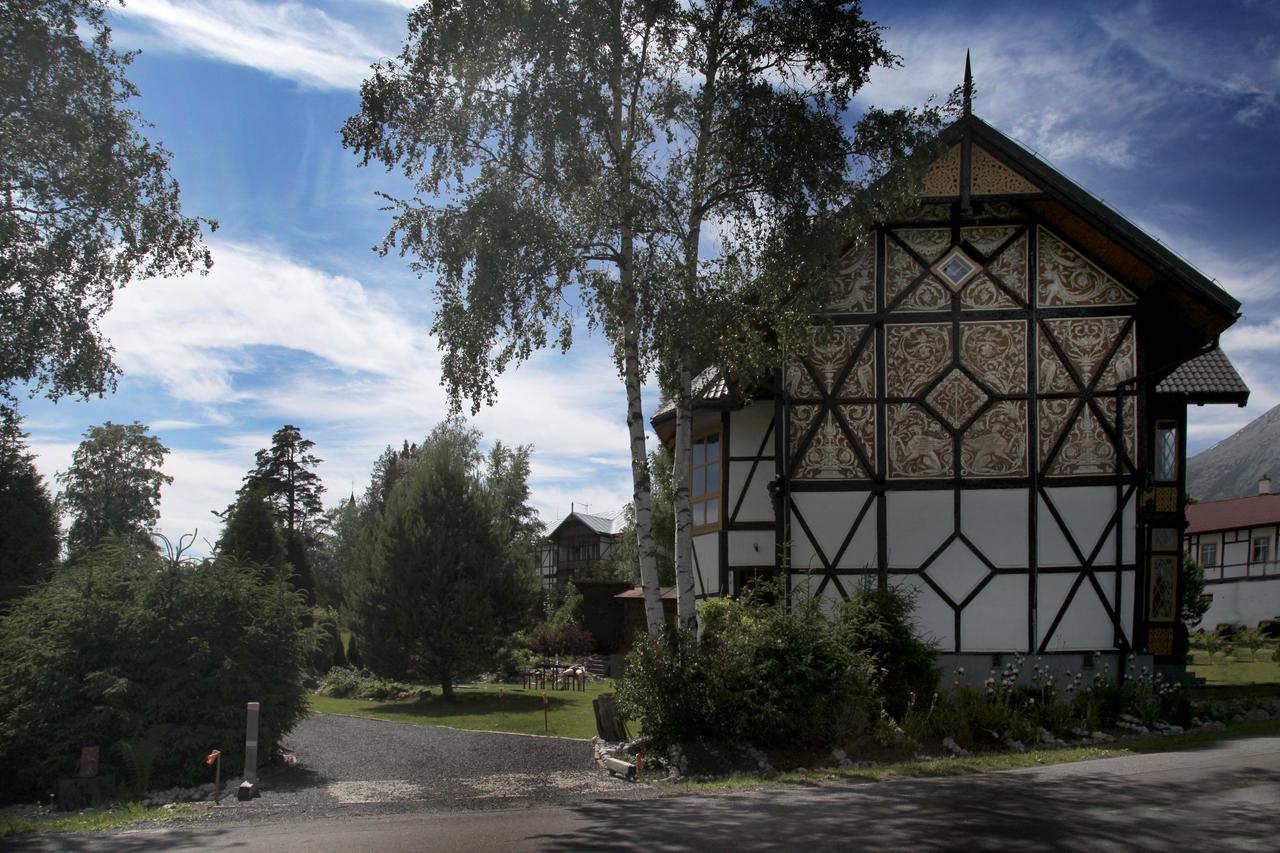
(956, 269)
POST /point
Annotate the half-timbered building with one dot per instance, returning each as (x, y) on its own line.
(983, 420)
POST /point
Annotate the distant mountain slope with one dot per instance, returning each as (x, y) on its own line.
(1232, 467)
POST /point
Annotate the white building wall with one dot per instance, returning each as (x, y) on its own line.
(1243, 591)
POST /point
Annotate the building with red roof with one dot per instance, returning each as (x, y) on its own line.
(1235, 541)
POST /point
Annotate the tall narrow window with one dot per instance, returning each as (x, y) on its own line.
(1166, 451)
(704, 483)
(1209, 554)
(1261, 549)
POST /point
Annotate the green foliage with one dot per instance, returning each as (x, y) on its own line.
(557, 641)
(350, 683)
(89, 201)
(446, 584)
(763, 673)
(249, 533)
(283, 475)
(328, 652)
(1192, 606)
(569, 611)
(29, 532)
(878, 622)
(113, 486)
(124, 646)
(1251, 639)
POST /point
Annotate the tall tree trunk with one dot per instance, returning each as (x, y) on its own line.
(685, 603)
(629, 323)
(641, 487)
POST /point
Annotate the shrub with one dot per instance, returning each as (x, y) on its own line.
(576, 641)
(763, 673)
(150, 659)
(878, 621)
(347, 683)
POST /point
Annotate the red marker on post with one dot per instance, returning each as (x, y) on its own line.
(215, 758)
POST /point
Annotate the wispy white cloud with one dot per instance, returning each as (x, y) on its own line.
(288, 39)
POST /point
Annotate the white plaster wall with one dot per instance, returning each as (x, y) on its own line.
(933, 619)
(751, 548)
(1245, 602)
(756, 506)
(996, 521)
(957, 571)
(706, 558)
(829, 515)
(918, 522)
(747, 427)
(1235, 559)
(1086, 511)
(996, 620)
(1084, 627)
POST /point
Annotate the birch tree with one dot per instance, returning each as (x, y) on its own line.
(763, 152)
(527, 129)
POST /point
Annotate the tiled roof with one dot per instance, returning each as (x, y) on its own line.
(1253, 511)
(709, 389)
(1210, 376)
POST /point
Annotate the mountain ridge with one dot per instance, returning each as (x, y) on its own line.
(1232, 467)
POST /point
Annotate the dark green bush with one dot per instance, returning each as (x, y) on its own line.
(153, 661)
(878, 621)
(763, 673)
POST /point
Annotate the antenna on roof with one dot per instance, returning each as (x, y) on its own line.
(968, 86)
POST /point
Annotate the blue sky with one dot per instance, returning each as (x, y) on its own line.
(1168, 111)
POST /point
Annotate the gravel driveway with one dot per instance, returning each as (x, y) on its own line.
(357, 764)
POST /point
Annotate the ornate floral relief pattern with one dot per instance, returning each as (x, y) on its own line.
(900, 270)
(930, 213)
(988, 176)
(1122, 367)
(997, 354)
(918, 445)
(998, 210)
(1010, 266)
(914, 355)
(1087, 342)
(987, 238)
(928, 243)
(1066, 278)
(1108, 406)
(943, 177)
(855, 282)
(829, 456)
(1054, 416)
(981, 293)
(929, 295)
(861, 418)
(957, 398)
(1087, 448)
(828, 356)
(861, 381)
(996, 444)
(1051, 375)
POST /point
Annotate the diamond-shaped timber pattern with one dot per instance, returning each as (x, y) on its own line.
(957, 398)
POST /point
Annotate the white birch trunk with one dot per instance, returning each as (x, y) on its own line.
(686, 606)
(646, 548)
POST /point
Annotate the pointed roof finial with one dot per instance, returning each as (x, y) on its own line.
(968, 86)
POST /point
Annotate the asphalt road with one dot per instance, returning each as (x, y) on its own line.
(1222, 797)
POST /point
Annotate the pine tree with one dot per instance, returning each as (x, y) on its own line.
(29, 531)
(283, 474)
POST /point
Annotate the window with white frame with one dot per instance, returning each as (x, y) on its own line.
(1209, 554)
(1261, 549)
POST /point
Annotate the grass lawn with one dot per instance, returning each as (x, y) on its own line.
(477, 707)
(1238, 668)
(116, 816)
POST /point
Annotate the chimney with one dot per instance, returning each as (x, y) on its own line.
(1264, 485)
